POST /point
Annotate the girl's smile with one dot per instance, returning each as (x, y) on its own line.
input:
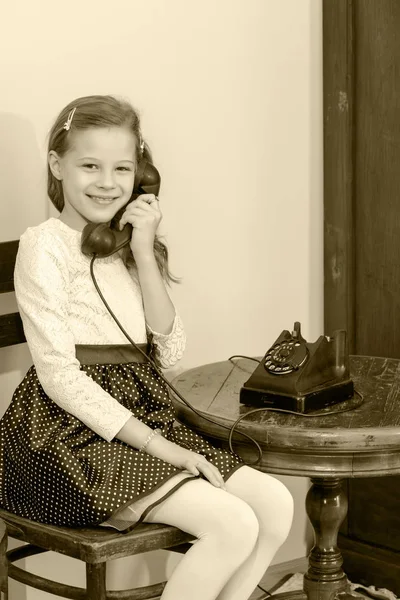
(101, 200)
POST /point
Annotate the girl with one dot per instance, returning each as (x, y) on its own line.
(90, 437)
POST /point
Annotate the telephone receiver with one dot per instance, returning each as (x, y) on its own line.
(104, 240)
(301, 376)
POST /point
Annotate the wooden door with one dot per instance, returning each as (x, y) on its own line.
(362, 238)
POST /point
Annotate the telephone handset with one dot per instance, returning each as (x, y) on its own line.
(102, 240)
(301, 376)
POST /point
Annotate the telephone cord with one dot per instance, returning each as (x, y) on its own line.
(168, 383)
(231, 428)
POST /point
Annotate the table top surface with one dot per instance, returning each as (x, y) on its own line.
(371, 430)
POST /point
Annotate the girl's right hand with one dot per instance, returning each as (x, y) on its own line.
(196, 463)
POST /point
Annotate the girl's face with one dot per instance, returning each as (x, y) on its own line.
(97, 174)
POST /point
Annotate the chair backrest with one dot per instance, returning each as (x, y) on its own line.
(11, 330)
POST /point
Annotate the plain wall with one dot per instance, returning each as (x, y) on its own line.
(230, 93)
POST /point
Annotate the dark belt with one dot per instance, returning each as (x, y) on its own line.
(110, 354)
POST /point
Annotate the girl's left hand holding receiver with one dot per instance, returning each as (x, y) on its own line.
(144, 215)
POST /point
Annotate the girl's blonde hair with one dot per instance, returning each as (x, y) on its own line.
(92, 112)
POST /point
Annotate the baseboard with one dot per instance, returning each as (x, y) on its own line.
(276, 573)
(297, 565)
(370, 565)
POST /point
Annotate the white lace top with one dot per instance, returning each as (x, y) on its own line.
(60, 308)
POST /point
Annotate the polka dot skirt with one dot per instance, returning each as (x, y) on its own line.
(56, 470)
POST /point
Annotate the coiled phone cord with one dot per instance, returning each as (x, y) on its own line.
(232, 428)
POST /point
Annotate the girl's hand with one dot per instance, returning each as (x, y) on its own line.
(144, 215)
(196, 464)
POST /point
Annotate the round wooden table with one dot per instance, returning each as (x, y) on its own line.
(362, 442)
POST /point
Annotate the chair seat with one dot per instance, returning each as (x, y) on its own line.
(94, 544)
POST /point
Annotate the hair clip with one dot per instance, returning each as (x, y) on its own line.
(141, 144)
(67, 124)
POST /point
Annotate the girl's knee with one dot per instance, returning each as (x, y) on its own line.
(237, 527)
(283, 497)
(269, 498)
(278, 509)
(244, 524)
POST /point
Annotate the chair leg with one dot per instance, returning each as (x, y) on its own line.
(3, 562)
(96, 581)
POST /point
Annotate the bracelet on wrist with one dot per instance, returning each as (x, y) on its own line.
(148, 440)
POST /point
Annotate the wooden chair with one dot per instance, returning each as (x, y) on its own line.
(96, 545)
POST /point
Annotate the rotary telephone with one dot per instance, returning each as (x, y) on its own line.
(101, 240)
(301, 376)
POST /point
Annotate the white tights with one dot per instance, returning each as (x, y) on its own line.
(238, 532)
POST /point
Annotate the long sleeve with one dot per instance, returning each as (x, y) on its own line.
(169, 348)
(42, 284)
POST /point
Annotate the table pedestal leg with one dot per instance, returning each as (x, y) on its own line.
(326, 506)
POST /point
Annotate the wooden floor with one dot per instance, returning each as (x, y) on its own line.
(277, 572)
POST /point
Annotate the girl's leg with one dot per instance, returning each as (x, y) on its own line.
(226, 529)
(273, 505)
